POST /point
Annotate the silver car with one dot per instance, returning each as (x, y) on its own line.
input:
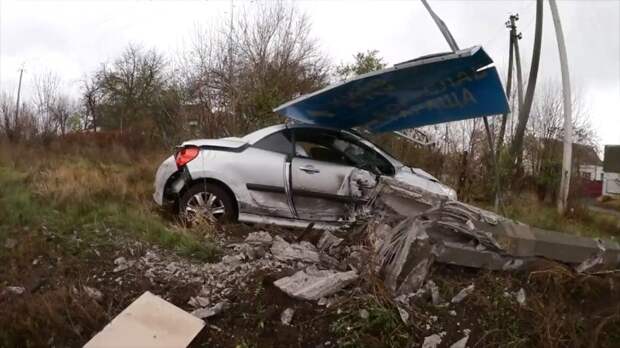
(288, 175)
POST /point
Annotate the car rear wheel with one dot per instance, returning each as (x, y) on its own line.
(206, 202)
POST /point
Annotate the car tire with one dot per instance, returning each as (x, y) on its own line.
(203, 193)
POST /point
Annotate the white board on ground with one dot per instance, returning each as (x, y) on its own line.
(149, 321)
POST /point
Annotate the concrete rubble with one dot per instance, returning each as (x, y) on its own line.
(462, 343)
(462, 294)
(312, 283)
(208, 312)
(287, 316)
(303, 251)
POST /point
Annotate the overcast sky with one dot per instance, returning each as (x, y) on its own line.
(72, 38)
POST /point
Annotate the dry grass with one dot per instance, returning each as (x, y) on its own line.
(579, 220)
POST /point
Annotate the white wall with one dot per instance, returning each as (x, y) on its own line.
(611, 184)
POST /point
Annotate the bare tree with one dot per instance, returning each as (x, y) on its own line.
(46, 89)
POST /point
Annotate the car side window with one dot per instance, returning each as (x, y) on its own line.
(279, 142)
(362, 156)
(318, 144)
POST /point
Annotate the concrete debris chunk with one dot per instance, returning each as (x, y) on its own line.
(16, 290)
(204, 313)
(259, 238)
(122, 264)
(462, 343)
(198, 301)
(404, 315)
(312, 284)
(148, 322)
(432, 341)
(434, 290)
(287, 316)
(406, 256)
(93, 293)
(232, 260)
(520, 296)
(462, 294)
(285, 251)
(364, 314)
(594, 260)
(328, 241)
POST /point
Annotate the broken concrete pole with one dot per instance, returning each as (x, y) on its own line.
(287, 316)
(148, 322)
(465, 235)
(462, 294)
(285, 251)
(312, 284)
(405, 256)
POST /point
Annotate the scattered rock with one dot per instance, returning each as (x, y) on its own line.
(16, 290)
(285, 251)
(520, 296)
(93, 293)
(259, 238)
(462, 343)
(431, 341)
(312, 284)
(328, 241)
(232, 260)
(462, 294)
(203, 313)
(404, 315)
(364, 314)
(198, 301)
(434, 290)
(452, 313)
(287, 316)
(122, 264)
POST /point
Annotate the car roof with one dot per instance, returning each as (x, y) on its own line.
(257, 135)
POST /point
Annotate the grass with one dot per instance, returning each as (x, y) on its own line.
(578, 221)
(72, 192)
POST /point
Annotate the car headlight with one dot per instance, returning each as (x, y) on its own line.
(450, 192)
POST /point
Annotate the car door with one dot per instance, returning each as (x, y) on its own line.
(319, 173)
(265, 169)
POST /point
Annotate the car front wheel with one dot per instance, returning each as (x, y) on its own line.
(206, 202)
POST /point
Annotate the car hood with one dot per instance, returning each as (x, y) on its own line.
(230, 143)
(419, 178)
(428, 90)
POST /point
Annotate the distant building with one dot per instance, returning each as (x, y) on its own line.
(611, 171)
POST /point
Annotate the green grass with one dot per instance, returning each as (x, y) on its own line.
(20, 208)
(383, 322)
(578, 221)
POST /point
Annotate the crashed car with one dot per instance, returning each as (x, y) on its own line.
(288, 175)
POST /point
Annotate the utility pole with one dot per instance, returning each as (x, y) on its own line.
(19, 90)
(568, 126)
(524, 111)
(513, 47)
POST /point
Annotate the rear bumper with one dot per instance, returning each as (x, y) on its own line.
(165, 171)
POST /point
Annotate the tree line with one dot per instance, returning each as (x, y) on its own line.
(227, 81)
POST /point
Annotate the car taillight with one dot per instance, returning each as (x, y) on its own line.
(185, 155)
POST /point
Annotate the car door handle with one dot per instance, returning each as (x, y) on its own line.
(309, 169)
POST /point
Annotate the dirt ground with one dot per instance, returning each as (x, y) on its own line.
(561, 309)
